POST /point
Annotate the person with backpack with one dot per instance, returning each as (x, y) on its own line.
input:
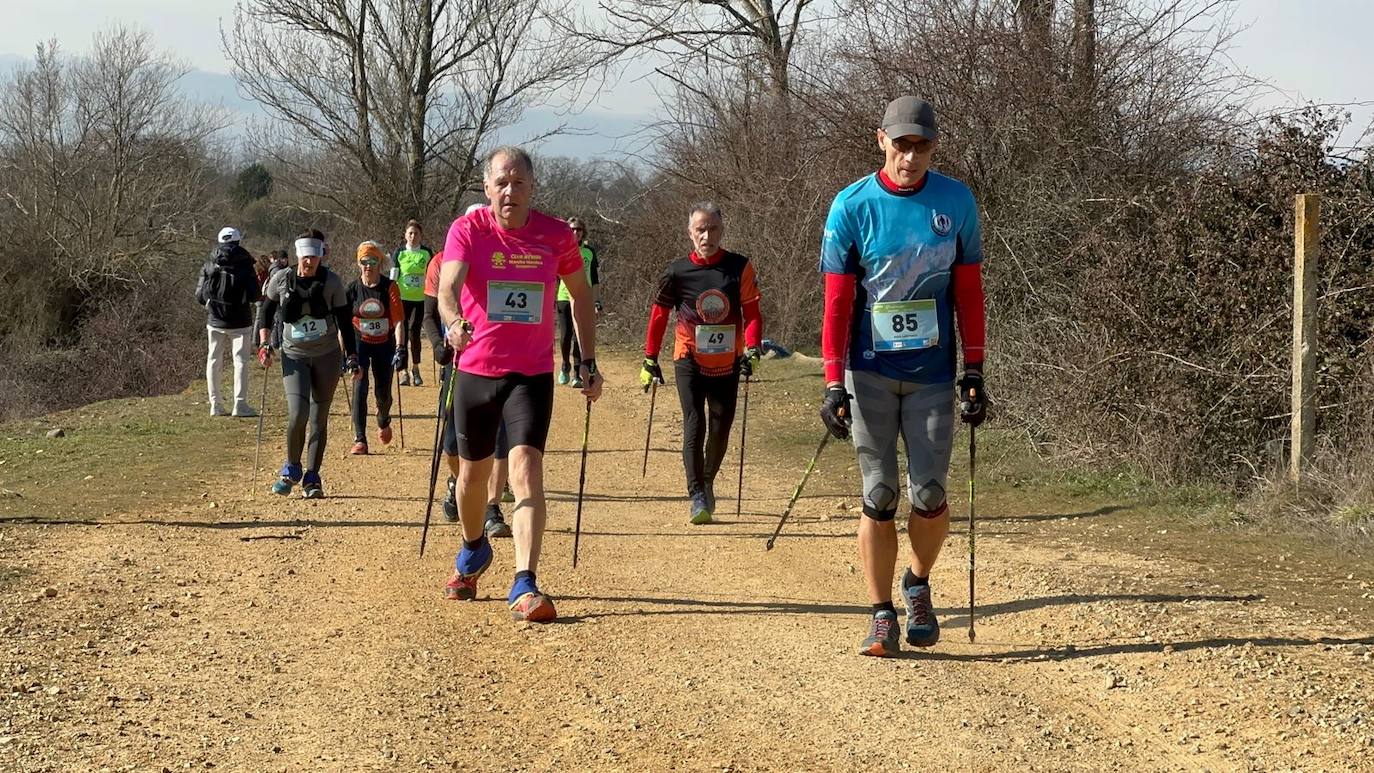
(377, 316)
(312, 305)
(412, 262)
(228, 287)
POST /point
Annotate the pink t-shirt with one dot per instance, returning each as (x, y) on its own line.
(508, 295)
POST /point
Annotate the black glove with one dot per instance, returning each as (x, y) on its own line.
(597, 306)
(443, 353)
(350, 364)
(398, 360)
(973, 399)
(650, 372)
(835, 412)
(748, 361)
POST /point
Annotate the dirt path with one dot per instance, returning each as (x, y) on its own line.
(268, 634)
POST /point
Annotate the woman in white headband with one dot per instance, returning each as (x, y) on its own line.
(316, 317)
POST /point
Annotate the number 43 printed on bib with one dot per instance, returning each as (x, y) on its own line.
(518, 302)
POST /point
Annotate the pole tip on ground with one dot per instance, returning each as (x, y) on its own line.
(971, 637)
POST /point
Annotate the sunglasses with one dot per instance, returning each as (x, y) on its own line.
(368, 262)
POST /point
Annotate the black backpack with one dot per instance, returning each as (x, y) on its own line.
(221, 289)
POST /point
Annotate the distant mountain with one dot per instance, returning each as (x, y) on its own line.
(592, 134)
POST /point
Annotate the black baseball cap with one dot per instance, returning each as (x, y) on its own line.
(908, 116)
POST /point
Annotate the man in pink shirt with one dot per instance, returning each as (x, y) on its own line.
(497, 282)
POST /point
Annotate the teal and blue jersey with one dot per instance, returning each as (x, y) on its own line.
(902, 247)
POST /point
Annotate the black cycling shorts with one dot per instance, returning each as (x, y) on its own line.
(525, 403)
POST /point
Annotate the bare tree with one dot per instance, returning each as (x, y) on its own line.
(394, 100)
(109, 185)
(758, 35)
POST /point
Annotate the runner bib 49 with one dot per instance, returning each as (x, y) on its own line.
(715, 339)
(306, 329)
(905, 325)
(518, 302)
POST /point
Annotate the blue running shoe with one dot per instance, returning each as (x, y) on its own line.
(290, 476)
(701, 509)
(467, 567)
(311, 486)
(922, 629)
(882, 641)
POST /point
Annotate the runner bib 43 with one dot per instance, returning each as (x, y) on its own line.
(905, 325)
(518, 302)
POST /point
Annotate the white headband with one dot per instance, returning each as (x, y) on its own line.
(313, 248)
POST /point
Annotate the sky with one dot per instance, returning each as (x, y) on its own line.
(1308, 50)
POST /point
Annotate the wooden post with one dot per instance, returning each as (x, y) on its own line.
(1306, 237)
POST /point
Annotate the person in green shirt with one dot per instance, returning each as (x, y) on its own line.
(412, 260)
(567, 339)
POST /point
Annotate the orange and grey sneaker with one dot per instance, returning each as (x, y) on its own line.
(527, 604)
(533, 607)
(359, 448)
(883, 640)
(467, 567)
(384, 435)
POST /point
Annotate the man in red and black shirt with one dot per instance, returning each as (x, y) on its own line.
(719, 331)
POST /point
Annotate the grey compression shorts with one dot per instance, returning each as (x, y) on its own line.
(924, 416)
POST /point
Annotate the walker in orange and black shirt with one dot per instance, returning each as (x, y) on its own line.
(717, 303)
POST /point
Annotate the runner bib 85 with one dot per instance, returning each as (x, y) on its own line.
(903, 325)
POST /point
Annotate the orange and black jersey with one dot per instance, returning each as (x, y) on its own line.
(377, 311)
(717, 305)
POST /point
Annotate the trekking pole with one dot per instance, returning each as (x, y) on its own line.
(443, 416)
(257, 453)
(972, 461)
(348, 390)
(581, 481)
(743, 428)
(796, 494)
(653, 396)
(400, 412)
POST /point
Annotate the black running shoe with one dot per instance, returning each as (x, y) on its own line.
(883, 640)
(496, 525)
(451, 501)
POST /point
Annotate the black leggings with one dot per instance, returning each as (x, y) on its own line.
(708, 411)
(310, 383)
(567, 336)
(376, 359)
(415, 317)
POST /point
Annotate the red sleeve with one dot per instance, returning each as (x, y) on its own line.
(658, 325)
(394, 301)
(753, 323)
(970, 312)
(839, 311)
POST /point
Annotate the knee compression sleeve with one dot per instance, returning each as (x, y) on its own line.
(880, 503)
(928, 501)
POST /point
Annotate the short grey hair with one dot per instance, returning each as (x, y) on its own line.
(706, 207)
(510, 153)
